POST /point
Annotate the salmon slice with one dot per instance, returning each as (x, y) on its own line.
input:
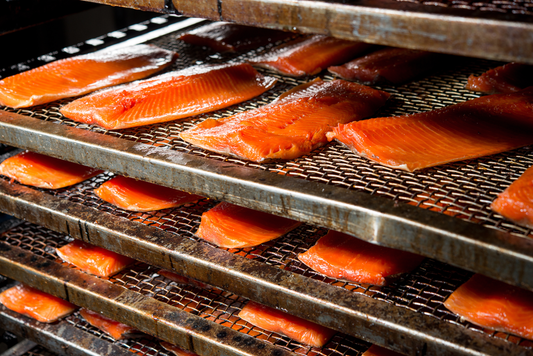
(231, 37)
(279, 322)
(375, 350)
(516, 202)
(38, 305)
(509, 78)
(116, 330)
(93, 259)
(476, 128)
(495, 305)
(170, 96)
(291, 126)
(389, 65)
(135, 195)
(231, 226)
(310, 55)
(342, 256)
(182, 279)
(43, 171)
(176, 350)
(80, 75)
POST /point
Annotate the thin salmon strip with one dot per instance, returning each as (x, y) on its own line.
(291, 126)
(93, 259)
(83, 74)
(375, 350)
(509, 78)
(342, 256)
(182, 279)
(294, 327)
(135, 195)
(516, 202)
(231, 37)
(116, 330)
(495, 305)
(389, 65)
(310, 55)
(178, 351)
(43, 171)
(38, 305)
(476, 128)
(231, 226)
(170, 96)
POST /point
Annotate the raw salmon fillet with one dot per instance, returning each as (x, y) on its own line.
(135, 195)
(38, 305)
(389, 65)
(509, 78)
(83, 74)
(342, 256)
(116, 330)
(375, 350)
(231, 37)
(232, 226)
(176, 350)
(182, 279)
(291, 126)
(279, 322)
(516, 202)
(495, 305)
(43, 171)
(93, 259)
(170, 96)
(310, 55)
(476, 128)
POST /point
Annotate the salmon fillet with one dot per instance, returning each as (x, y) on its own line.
(170, 96)
(375, 350)
(310, 55)
(116, 330)
(93, 259)
(279, 322)
(342, 256)
(135, 195)
(231, 226)
(42, 171)
(476, 128)
(509, 78)
(182, 279)
(38, 305)
(176, 350)
(495, 305)
(83, 74)
(291, 126)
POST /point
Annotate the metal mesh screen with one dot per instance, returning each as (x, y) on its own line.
(38, 351)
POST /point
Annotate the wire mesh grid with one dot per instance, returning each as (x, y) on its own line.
(39, 351)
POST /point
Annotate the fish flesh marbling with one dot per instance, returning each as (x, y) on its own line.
(509, 78)
(116, 330)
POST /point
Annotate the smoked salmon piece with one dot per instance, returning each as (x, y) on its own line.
(476, 128)
(516, 202)
(176, 350)
(495, 305)
(93, 259)
(389, 65)
(279, 322)
(135, 195)
(509, 78)
(342, 256)
(43, 171)
(375, 350)
(83, 74)
(116, 330)
(231, 37)
(291, 126)
(38, 305)
(310, 55)
(170, 96)
(182, 279)
(232, 226)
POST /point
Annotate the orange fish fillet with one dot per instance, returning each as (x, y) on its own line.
(279, 322)
(176, 350)
(375, 350)
(118, 331)
(83, 74)
(134, 195)
(93, 259)
(43, 171)
(346, 257)
(182, 279)
(310, 56)
(516, 202)
(494, 305)
(231, 226)
(509, 78)
(291, 126)
(170, 96)
(41, 306)
(476, 128)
